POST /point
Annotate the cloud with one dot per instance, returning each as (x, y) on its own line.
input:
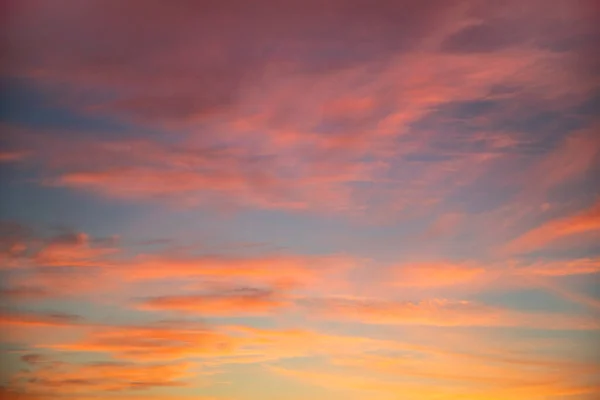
(440, 313)
(73, 264)
(243, 301)
(61, 378)
(188, 173)
(275, 344)
(153, 343)
(436, 274)
(293, 108)
(22, 247)
(25, 293)
(589, 302)
(73, 249)
(584, 222)
(37, 266)
(347, 380)
(474, 275)
(370, 110)
(12, 156)
(39, 319)
(581, 266)
(33, 359)
(213, 57)
(492, 373)
(19, 395)
(481, 38)
(575, 157)
(279, 270)
(223, 345)
(13, 241)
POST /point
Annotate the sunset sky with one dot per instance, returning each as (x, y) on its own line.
(298, 200)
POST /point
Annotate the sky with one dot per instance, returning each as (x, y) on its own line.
(292, 200)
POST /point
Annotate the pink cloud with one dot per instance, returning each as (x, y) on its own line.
(299, 127)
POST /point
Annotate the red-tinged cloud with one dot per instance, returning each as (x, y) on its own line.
(243, 301)
(440, 313)
(584, 222)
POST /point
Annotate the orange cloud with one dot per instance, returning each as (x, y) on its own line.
(492, 372)
(38, 320)
(587, 221)
(73, 250)
(222, 345)
(280, 270)
(60, 378)
(25, 293)
(76, 265)
(235, 302)
(436, 274)
(356, 107)
(390, 380)
(470, 275)
(440, 313)
(30, 328)
(580, 266)
(274, 344)
(14, 394)
(153, 343)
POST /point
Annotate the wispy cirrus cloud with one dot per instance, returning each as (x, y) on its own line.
(441, 313)
(61, 378)
(355, 125)
(381, 377)
(239, 301)
(581, 223)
